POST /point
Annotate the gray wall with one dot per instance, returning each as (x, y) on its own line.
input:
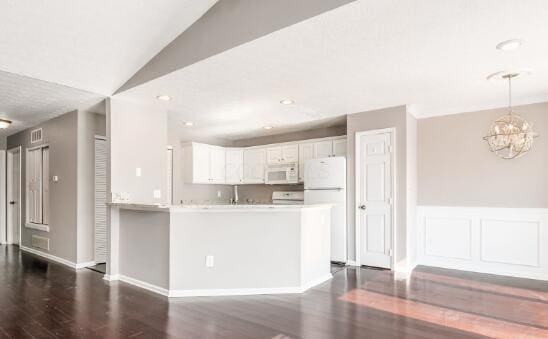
(228, 24)
(293, 136)
(89, 125)
(455, 167)
(138, 138)
(371, 120)
(61, 135)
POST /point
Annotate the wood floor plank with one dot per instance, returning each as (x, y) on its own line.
(41, 299)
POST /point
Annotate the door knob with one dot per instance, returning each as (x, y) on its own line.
(362, 207)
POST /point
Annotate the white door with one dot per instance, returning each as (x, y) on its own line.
(374, 204)
(100, 243)
(14, 196)
(306, 152)
(339, 147)
(323, 149)
(234, 166)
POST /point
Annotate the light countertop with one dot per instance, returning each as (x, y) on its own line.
(214, 207)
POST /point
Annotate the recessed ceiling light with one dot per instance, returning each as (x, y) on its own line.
(268, 127)
(189, 123)
(4, 123)
(163, 97)
(509, 45)
(287, 102)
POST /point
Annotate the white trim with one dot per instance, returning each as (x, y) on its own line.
(9, 154)
(216, 292)
(507, 251)
(394, 166)
(48, 256)
(39, 227)
(352, 263)
(85, 264)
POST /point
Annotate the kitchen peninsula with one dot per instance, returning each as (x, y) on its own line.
(207, 250)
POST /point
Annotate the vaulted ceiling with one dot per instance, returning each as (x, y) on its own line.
(60, 54)
(432, 55)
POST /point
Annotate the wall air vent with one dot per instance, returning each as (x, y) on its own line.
(36, 135)
(40, 242)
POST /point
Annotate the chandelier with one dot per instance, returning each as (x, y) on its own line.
(510, 136)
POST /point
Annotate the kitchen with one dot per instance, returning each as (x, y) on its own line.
(292, 191)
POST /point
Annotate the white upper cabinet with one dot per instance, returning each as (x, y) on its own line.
(204, 164)
(290, 153)
(254, 165)
(339, 147)
(207, 164)
(282, 154)
(323, 149)
(234, 166)
(306, 151)
(217, 163)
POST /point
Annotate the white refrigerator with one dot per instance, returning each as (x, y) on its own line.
(325, 182)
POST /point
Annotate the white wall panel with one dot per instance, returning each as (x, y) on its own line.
(505, 241)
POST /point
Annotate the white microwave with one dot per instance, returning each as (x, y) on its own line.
(282, 174)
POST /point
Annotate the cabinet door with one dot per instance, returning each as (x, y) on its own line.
(290, 153)
(217, 164)
(306, 151)
(200, 164)
(339, 147)
(254, 166)
(234, 166)
(274, 155)
(323, 149)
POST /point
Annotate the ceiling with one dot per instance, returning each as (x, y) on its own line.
(55, 54)
(28, 102)
(433, 55)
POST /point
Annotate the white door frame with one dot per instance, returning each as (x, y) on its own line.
(9, 175)
(95, 139)
(357, 176)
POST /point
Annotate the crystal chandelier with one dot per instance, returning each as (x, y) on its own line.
(510, 136)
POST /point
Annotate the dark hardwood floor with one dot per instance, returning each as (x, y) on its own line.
(39, 299)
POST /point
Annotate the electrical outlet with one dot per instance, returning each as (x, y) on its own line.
(138, 172)
(157, 194)
(209, 262)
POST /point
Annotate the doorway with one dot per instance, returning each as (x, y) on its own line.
(375, 184)
(13, 194)
(100, 235)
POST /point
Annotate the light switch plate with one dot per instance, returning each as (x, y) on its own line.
(157, 194)
(138, 172)
(55, 178)
(210, 261)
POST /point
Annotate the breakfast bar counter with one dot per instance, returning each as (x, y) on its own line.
(207, 250)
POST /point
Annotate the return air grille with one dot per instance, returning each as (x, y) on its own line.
(36, 135)
(40, 242)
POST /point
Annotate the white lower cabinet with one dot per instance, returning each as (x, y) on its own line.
(254, 165)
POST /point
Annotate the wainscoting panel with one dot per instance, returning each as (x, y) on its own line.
(505, 241)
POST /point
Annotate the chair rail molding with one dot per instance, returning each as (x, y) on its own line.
(504, 241)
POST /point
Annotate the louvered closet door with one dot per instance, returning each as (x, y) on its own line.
(100, 201)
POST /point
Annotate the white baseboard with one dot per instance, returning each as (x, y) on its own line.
(48, 256)
(216, 292)
(85, 264)
(352, 263)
